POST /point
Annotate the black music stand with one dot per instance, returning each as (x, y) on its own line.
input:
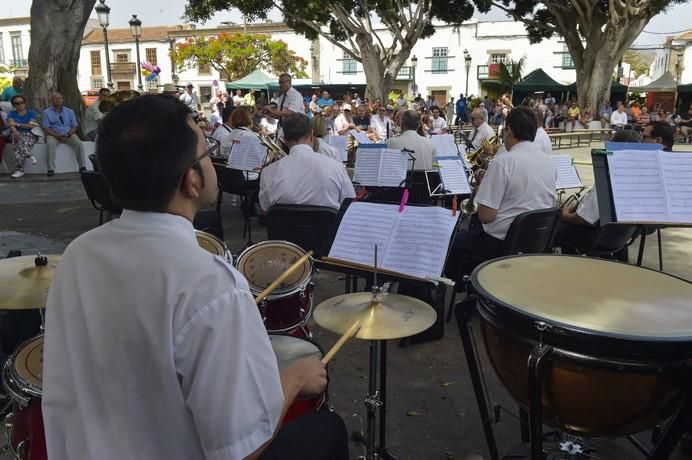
(375, 402)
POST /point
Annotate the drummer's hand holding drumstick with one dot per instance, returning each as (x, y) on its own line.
(304, 378)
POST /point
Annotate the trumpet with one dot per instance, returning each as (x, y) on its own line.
(480, 158)
(275, 150)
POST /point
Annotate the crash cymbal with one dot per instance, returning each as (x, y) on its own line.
(23, 284)
(394, 316)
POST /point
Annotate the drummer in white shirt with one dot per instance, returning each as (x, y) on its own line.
(436, 124)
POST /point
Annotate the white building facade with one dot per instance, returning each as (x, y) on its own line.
(15, 36)
(676, 60)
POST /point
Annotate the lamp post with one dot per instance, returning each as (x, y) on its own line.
(467, 64)
(136, 30)
(103, 11)
(679, 47)
(414, 63)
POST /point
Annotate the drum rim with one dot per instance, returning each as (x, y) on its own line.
(220, 245)
(312, 341)
(278, 293)
(491, 299)
(15, 383)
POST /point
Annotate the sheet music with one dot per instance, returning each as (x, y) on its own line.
(380, 167)
(637, 183)
(453, 175)
(247, 154)
(413, 242)
(393, 167)
(677, 176)
(361, 137)
(363, 226)
(341, 143)
(444, 145)
(567, 176)
(419, 243)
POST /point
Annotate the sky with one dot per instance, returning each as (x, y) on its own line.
(169, 12)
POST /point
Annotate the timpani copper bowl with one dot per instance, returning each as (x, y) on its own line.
(619, 336)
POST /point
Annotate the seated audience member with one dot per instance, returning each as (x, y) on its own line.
(21, 121)
(328, 115)
(93, 115)
(618, 120)
(579, 221)
(436, 124)
(659, 132)
(542, 140)
(586, 116)
(362, 119)
(424, 150)
(518, 180)
(605, 111)
(685, 123)
(11, 91)
(319, 130)
(573, 114)
(60, 126)
(344, 122)
(303, 177)
(643, 119)
(381, 125)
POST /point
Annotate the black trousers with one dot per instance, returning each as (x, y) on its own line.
(319, 435)
(470, 248)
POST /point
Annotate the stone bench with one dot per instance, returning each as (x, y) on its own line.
(65, 160)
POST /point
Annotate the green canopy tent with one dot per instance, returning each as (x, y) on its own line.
(537, 81)
(257, 80)
(618, 91)
(660, 92)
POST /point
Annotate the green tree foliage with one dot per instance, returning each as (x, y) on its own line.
(238, 54)
(355, 26)
(510, 74)
(596, 32)
(638, 65)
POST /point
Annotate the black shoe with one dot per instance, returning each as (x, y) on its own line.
(82, 169)
(51, 173)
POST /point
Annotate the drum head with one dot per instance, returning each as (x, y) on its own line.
(210, 243)
(263, 262)
(27, 366)
(591, 295)
(289, 349)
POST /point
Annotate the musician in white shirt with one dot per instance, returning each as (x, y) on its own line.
(381, 125)
(482, 130)
(155, 348)
(436, 124)
(290, 100)
(424, 150)
(542, 140)
(268, 124)
(319, 131)
(303, 177)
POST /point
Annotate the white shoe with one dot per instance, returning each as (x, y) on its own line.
(33, 160)
(17, 174)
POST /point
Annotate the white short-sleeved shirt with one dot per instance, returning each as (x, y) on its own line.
(269, 124)
(190, 100)
(424, 150)
(380, 126)
(292, 100)
(305, 177)
(521, 179)
(330, 150)
(480, 134)
(437, 125)
(588, 207)
(341, 123)
(618, 119)
(542, 141)
(154, 348)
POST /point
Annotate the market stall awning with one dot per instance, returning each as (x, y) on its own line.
(255, 80)
(663, 84)
(538, 80)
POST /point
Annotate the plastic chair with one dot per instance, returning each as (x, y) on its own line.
(305, 225)
(609, 242)
(99, 194)
(233, 181)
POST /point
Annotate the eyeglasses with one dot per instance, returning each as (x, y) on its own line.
(19, 103)
(212, 144)
(284, 81)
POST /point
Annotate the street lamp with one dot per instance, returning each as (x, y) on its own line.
(136, 30)
(414, 63)
(467, 64)
(102, 11)
(679, 46)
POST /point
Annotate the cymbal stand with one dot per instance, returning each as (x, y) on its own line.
(376, 398)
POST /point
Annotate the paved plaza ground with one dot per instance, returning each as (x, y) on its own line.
(432, 410)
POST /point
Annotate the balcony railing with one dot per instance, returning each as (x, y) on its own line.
(482, 72)
(123, 67)
(488, 72)
(405, 73)
(18, 63)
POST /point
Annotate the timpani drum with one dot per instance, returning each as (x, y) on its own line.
(212, 244)
(289, 349)
(619, 336)
(289, 306)
(22, 378)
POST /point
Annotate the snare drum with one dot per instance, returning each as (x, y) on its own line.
(212, 244)
(290, 305)
(22, 379)
(618, 337)
(289, 349)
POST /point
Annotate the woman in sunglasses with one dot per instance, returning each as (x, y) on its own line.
(21, 121)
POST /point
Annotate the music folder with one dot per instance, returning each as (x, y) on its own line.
(452, 175)
(379, 166)
(247, 154)
(566, 173)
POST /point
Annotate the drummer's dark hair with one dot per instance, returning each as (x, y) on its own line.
(522, 121)
(144, 146)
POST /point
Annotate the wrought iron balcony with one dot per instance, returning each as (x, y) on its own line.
(405, 73)
(123, 68)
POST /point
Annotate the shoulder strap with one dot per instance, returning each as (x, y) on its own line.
(226, 126)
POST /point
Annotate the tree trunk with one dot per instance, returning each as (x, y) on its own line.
(57, 27)
(594, 77)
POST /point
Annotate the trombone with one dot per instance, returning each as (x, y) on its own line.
(479, 159)
(275, 151)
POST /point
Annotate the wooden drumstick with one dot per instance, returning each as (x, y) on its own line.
(353, 330)
(282, 277)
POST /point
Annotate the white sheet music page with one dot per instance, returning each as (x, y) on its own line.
(367, 168)
(247, 154)
(637, 183)
(363, 226)
(361, 137)
(341, 143)
(677, 175)
(444, 144)
(453, 175)
(420, 240)
(393, 168)
(567, 176)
